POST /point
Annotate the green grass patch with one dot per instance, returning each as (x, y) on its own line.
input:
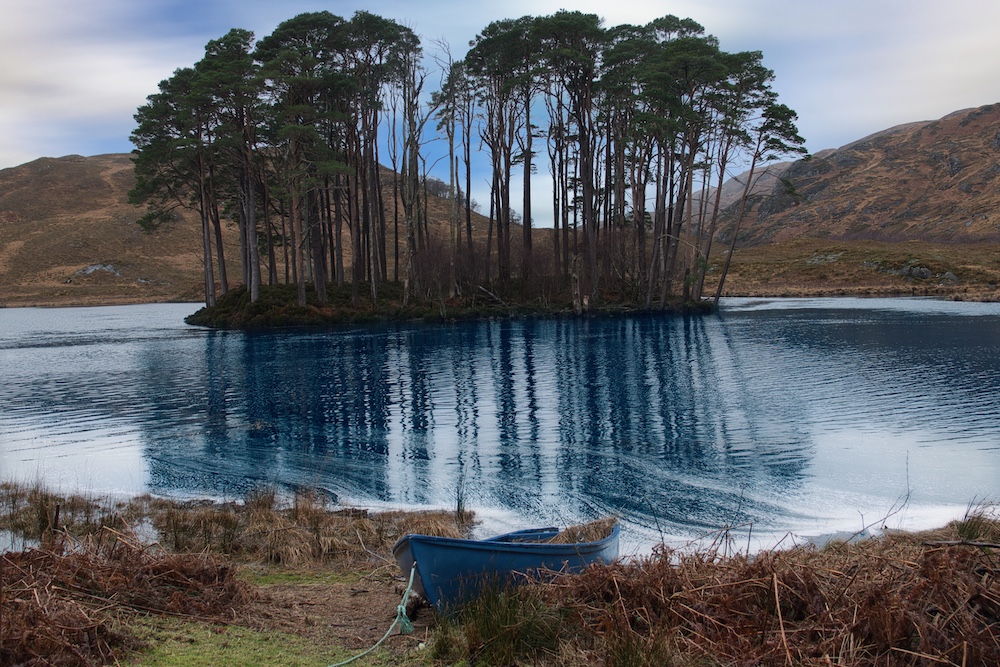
(176, 643)
(506, 626)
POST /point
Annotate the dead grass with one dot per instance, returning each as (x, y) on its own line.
(66, 603)
(306, 532)
(586, 532)
(71, 595)
(823, 267)
(901, 599)
(326, 574)
(890, 601)
(304, 529)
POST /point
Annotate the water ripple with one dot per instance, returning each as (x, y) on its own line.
(797, 415)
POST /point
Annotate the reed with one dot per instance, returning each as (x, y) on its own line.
(893, 600)
(305, 529)
(900, 599)
(586, 532)
(981, 522)
(32, 514)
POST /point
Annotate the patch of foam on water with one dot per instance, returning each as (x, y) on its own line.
(925, 305)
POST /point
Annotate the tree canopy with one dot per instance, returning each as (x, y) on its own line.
(285, 137)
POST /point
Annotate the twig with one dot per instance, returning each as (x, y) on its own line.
(962, 543)
(703, 615)
(843, 591)
(781, 622)
(621, 599)
(125, 539)
(708, 587)
(272, 530)
(501, 301)
(943, 661)
(369, 551)
(15, 565)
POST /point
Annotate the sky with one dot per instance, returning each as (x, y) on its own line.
(73, 73)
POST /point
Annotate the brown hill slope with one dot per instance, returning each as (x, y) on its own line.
(935, 181)
(68, 236)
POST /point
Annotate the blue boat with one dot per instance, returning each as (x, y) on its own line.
(450, 571)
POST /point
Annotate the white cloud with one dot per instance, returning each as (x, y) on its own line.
(853, 68)
(74, 73)
(79, 73)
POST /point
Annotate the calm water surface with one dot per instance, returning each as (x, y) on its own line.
(802, 416)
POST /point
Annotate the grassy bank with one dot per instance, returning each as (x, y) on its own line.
(149, 581)
(300, 583)
(827, 267)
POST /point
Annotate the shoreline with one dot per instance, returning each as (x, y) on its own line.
(637, 541)
(860, 603)
(800, 266)
(984, 294)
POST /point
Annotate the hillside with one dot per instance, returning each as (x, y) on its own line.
(68, 236)
(935, 181)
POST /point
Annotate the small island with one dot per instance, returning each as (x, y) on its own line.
(278, 307)
(313, 142)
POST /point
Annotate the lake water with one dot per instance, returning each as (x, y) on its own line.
(791, 418)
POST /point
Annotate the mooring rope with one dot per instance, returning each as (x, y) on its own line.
(405, 626)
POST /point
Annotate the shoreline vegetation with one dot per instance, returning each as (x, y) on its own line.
(801, 268)
(277, 306)
(299, 581)
(804, 267)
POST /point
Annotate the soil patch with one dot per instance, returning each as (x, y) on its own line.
(351, 611)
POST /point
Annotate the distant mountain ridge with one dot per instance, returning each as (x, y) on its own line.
(936, 181)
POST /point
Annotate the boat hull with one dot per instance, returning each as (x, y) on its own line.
(451, 571)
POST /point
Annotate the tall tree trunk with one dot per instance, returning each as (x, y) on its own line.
(526, 218)
(659, 222)
(736, 230)
(253, 256)
(713, 224)
(212, 204)
(589, 221)
(338, 228)
(299, 259)
(206, 232)
(354, 226)
(316, 244)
